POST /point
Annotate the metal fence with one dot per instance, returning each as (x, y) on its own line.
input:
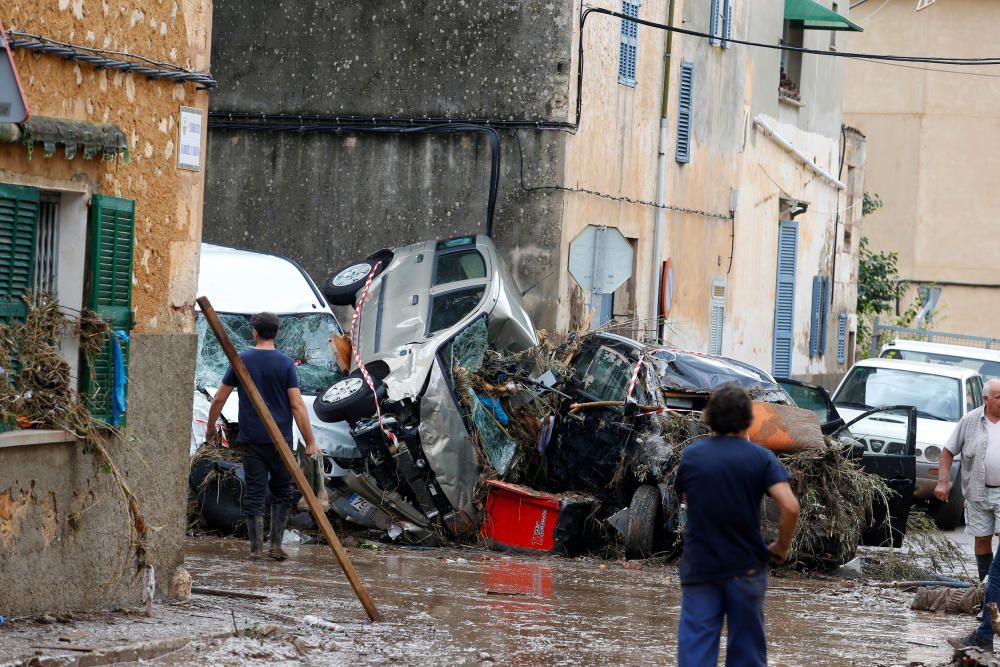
(888, 332)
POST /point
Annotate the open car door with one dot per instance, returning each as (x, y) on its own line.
(888, 436)
(816, 398)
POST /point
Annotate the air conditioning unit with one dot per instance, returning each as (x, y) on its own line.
(924, 4)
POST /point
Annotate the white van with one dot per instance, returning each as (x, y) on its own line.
(239, 283)
(983, 361)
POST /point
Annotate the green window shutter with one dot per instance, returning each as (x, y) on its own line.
(18, 231)
(111, 240)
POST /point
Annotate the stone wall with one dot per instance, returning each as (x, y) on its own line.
(64, 539)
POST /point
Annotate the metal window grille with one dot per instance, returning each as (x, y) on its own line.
(47, 246)
(629, 45)
(685, 100)
(718, 317)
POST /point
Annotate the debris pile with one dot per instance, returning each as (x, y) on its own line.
(36, 390)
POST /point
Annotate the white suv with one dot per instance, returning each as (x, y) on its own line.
(941, 393)
(985, 362)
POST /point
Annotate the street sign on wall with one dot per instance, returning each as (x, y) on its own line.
(600, 259)
(13, 104)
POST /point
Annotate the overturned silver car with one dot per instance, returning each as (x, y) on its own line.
(421, 311)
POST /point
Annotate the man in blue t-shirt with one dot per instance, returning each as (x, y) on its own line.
(277, 380)
(722, 480)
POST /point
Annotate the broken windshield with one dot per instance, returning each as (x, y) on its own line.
(305, 338)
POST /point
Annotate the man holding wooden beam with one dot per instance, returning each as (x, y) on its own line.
(277, 380)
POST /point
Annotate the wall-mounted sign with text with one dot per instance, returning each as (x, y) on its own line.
(190, 129)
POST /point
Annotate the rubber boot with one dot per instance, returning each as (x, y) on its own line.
(279, 519)
(255, 528)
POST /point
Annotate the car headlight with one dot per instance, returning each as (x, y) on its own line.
(932, 453)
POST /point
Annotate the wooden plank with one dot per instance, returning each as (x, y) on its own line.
(28, 437)
(248, 391)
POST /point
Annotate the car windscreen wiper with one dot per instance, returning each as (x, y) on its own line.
(931, 415)
(851, 404)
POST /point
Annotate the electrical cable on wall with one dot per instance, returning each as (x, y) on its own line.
(617, 198)
(100, 59)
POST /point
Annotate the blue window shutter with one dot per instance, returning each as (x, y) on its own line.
(715, 27)
(727, 24)
(816, 317)
(784, 298)
(842, 338)
(628, 45)
(685, 100)
(824, 316)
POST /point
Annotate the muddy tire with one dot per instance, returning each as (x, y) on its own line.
(341, 289)
(951, 514)
(643, 513)
(348, 399)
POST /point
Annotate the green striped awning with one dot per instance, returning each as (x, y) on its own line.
(810, 15)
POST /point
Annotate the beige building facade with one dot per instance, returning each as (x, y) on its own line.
(933, 155)
(725, 176)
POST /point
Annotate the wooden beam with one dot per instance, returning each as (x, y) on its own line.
(248, 391)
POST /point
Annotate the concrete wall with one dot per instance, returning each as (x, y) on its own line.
(63, 535)
(934, 150)
(330, 199)
(735, 166)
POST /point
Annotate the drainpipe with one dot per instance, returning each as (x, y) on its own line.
(10, 133)
(660, 225)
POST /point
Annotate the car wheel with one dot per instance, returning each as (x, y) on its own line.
(950, 515)
(348, 399)
(642, 515)
(341, 289)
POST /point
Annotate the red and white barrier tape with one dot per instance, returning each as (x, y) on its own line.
(355, 328)
(635, 371)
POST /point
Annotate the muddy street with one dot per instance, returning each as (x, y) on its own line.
(467, 606)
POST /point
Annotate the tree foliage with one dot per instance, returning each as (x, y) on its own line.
(879, 286)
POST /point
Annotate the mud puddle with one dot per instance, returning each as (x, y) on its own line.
(454, 607)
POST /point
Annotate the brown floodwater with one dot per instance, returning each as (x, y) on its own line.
(468, 606)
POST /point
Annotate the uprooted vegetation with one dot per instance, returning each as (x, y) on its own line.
(38, 391)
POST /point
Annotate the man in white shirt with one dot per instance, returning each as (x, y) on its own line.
(977, 439)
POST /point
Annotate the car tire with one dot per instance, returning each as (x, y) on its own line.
(349, 399)
(341, 288)
(951, 514)
(643, 512)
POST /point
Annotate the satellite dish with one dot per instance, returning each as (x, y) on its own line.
(13, 104)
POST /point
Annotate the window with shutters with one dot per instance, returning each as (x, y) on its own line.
(721, 23)
(685, 102)
(47, 245)
(108, 292)
(789, 84)
(717, 317)
(818, 317)
(18, 237)
(784, 299)
(628, 45)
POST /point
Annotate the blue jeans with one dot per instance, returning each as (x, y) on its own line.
(740, 601)
(985, 631)
(264, 470)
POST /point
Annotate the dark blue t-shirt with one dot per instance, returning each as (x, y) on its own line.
(274, 373)
(725, 479)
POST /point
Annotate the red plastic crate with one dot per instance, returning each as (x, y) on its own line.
(519, 517)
